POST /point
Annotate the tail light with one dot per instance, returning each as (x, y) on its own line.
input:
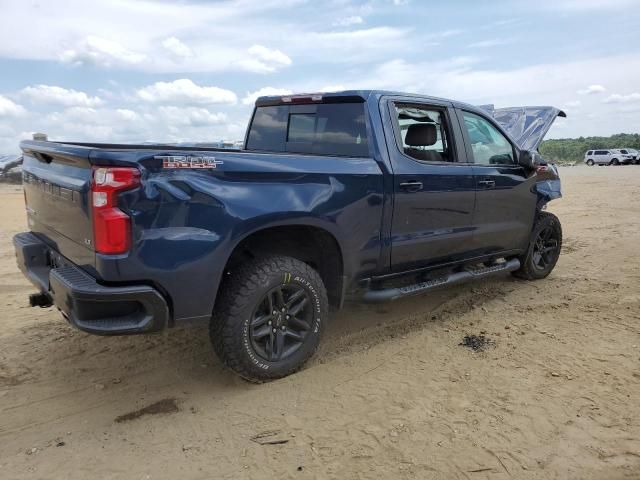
(111, 226)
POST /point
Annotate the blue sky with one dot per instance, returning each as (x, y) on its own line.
(131, 71)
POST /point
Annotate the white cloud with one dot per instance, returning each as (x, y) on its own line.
(8, 108)
(537, 84)
(184, 91)
(617, 98)
(400, 2)
(94, 116)
(374, 34)
(592, 89)
(102, 52)
(251, 97)
(177, 48)
(86, 115)
(264, 60)
(192, 116)
(53, 95)
(150, 123)
(348, 21)
(127, 115)
(352, 47)
(107, 34)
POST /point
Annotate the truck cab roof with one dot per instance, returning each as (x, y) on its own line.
(527, 126)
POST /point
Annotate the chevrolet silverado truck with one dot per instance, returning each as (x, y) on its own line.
(368, 194)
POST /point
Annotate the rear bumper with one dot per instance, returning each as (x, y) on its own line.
(88, 305)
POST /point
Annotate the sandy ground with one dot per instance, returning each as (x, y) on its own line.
(390, 395)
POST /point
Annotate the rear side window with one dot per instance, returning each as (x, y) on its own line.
(423, 133)
(324, 129)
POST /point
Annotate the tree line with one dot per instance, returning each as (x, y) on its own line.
(573, 149)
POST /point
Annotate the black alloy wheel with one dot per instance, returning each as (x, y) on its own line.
(269, 317)
(281, 322)
(546, 248)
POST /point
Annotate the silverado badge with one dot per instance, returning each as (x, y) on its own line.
(187, 161)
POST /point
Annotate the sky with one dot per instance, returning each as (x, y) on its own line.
(121, 71)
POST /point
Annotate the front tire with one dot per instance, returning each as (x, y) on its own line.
(269, 318)
(544, 248)
(590, 162)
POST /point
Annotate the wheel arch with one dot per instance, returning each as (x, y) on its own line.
(307, 241)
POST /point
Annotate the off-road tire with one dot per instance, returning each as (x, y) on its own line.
(528, 269)
(240, 296)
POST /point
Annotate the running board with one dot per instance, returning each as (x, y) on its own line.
(385, 295)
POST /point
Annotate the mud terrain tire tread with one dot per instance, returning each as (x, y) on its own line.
(237, 300)
(527, 271)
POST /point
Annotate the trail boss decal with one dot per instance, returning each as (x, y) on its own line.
(184, 161)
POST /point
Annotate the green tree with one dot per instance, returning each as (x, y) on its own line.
(563, 150)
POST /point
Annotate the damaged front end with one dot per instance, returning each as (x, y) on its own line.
(528, 126)
(548, 185)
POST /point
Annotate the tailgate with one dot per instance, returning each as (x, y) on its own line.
(57, 181)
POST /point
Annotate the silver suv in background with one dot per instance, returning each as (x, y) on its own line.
(635, 155)
(607, 157)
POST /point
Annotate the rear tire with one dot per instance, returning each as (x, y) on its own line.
(269, 318)
(544, 248)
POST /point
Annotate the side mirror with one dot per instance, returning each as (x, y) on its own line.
(527, 160)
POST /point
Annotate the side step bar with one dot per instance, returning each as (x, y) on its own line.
(385, 295)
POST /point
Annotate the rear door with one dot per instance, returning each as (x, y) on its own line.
(505, 198)
(434, 193)
(602, 156)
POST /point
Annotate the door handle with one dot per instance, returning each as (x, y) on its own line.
(411, 186)
(487, 183)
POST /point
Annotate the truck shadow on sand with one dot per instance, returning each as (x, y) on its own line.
(125, 377)
(186, 352)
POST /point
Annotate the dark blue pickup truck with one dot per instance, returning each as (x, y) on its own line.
(368, 193)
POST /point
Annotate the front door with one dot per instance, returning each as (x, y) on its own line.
(505, 194)
(434, 190)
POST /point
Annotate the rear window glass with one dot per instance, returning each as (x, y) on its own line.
(302, 127)
(323, 129)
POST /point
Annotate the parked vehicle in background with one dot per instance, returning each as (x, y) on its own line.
(635, 155)
(11, 168)
(378, 194)
(607, 157)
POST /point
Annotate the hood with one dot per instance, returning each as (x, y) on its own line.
(527, 125)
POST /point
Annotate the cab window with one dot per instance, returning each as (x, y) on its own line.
(423, 133)
(488, 145)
